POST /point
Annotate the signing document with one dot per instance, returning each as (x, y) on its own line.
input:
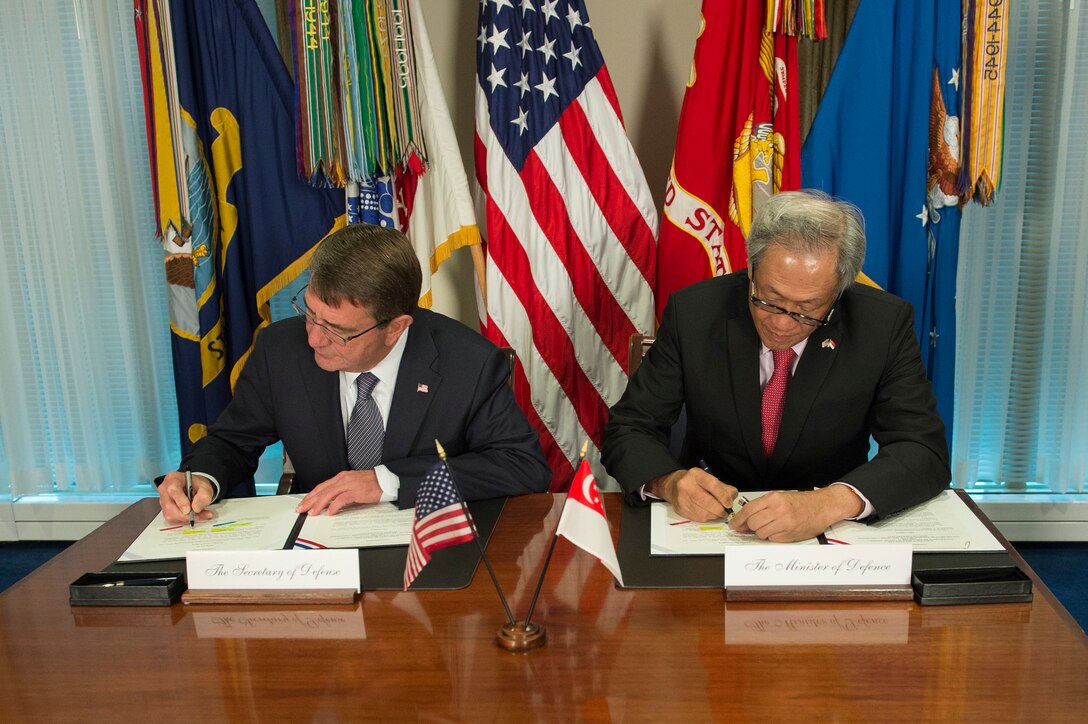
(363, 526)
(265, 523)
(673, 535)
(942, 524)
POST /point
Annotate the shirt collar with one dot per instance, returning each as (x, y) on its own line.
(386, 370)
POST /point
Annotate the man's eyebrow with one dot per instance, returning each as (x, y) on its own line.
(339, 328)
(771, 291)
(346, 331)
(330, 325)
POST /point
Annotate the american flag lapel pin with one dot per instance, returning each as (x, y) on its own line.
(422, 388)
(828, 344)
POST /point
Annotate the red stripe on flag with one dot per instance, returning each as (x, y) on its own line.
(608, 318)
(562, 470)
(610, 92)
(549, 336)
(624, 218)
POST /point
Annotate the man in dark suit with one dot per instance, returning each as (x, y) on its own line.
(792, 341)
(307, 378)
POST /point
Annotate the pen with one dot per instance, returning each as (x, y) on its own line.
(135, 582)
(733, 509)
(189, 492)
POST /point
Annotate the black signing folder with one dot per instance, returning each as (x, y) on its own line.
(939, 578)
(641, 570)
(382, 569)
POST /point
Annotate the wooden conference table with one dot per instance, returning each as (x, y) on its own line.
(612, 655)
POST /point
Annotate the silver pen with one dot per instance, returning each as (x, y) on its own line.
(734, 508)
(189, 492)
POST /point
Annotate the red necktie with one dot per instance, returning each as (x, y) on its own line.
(774, 397)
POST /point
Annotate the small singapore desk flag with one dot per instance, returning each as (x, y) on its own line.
(440, 521)
(584, 524)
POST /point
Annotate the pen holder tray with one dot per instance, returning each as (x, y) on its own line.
(940, 587)
(94, 589)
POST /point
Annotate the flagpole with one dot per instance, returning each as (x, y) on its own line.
(540, 582)
(548, 558)
(476, 534)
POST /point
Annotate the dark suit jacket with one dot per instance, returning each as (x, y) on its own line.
(870, 382)
(467, 405)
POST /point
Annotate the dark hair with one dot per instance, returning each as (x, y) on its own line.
(812, 222)
(370, 266)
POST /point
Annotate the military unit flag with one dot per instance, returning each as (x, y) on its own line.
(738, 143)
(371, 118)
(235, 221)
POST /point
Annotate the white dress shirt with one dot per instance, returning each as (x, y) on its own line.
(386, 372)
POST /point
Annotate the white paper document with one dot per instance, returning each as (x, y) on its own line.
(941, 524)
(240, 524)
(673, 535)
(944, 524)
(366, 526)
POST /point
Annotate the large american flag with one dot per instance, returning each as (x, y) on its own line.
(570, 224)
(440, 521)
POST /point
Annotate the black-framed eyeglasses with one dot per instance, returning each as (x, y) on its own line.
(796, 316)
(333, 336)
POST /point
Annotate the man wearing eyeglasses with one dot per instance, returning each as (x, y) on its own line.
(785, 371)
(358, 387)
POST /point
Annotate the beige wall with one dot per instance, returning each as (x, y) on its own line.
(647, 46)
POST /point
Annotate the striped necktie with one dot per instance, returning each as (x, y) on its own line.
(366, 430)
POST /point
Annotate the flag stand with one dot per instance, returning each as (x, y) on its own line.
(511, 623)
(519, 637)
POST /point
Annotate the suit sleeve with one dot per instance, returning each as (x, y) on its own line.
(911, 464)
(636, 438)
(232, 448)
(495, 452)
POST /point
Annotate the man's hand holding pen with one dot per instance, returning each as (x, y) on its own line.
(174, 498)
(695, 494)
(787, 516)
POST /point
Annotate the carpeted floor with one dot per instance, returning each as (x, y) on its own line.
(1064, 569)
(1062, 566)
(19, 559)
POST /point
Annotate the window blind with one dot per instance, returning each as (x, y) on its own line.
(1021, 421)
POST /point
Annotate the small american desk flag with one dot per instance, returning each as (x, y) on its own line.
(440, 521)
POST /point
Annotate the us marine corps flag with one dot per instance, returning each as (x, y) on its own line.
(737, 144)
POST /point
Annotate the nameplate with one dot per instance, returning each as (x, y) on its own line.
(829, 565)
(294, 570)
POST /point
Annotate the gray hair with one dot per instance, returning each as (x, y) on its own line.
(368, 266)
(811, 222)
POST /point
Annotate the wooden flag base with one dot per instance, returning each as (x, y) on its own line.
(518, 638)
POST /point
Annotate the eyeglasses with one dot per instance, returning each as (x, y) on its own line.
(796, 316)
(333, 336)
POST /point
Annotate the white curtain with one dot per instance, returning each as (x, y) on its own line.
(1022, 303)
(87, 400)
